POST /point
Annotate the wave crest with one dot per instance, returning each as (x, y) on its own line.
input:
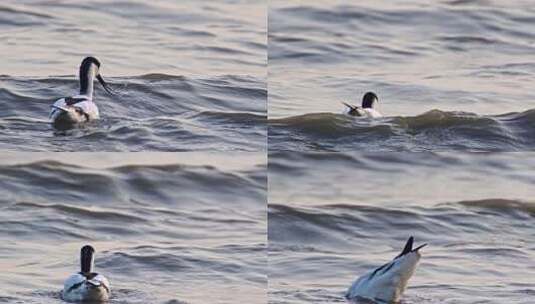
(434, 130)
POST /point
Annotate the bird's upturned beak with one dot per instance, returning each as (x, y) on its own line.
(105, 85)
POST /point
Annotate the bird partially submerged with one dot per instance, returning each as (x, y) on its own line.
(387, 283)
(70, 111)
(368, 108)
(86, 285)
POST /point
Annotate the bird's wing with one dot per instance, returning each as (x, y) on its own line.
(73, 281)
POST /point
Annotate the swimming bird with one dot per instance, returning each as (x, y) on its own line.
(369, 101)
(86, 285)
(69, 111)
(388, 282)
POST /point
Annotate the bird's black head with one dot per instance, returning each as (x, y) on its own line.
(86, 76)
(88, 61)
(86, 259)
(369, 100)
(87, 73)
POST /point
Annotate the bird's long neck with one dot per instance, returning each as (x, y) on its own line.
(86, 261)
(87, 75)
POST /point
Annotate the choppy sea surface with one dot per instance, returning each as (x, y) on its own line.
(333, 217)
(171, 229)
(450, 75)
(189, 75)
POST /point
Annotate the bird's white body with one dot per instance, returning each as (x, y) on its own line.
(79, 112)
(79, 288)
(388, 282)
(86, 285)
(365, 112)
(368, 108)
(70, 111)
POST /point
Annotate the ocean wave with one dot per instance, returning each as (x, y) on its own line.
(332, 224)
(180, 221)
(127, 183)
(151, 112)
(521, 209)
(432, 131)
(334, 243)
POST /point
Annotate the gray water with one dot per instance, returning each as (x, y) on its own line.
(450, 75)
(168, 228)
(193, 77)
(333, 217)
(189, 75)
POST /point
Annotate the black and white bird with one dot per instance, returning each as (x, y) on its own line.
(387, 283)
(368, 108)
(86, 285)
(70, 111)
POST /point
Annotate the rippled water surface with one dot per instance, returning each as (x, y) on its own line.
(333, 217)
(190, 75)
(450, 75)
(188, 228)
